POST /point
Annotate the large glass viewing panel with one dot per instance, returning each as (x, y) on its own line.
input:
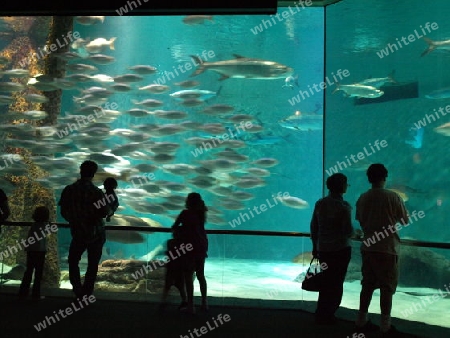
(169, 105)
(391, 109)
(163, 142)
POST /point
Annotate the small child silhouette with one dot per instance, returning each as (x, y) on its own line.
(35, 255)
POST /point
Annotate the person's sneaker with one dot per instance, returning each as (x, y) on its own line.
(161, 308)
(79, 293)
(392, 332)
(23, 296)
(189, 310)
(328, 320)
(37, 298)
(182, 306)
(367, 327)
(204, 307)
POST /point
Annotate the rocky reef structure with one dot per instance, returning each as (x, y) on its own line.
(131, 276)
(25, 36)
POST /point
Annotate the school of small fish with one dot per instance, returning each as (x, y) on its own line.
(165, 153)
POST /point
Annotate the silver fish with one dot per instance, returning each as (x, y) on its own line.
(443, 93)
(243, 67)
(80, 67)
(11, 87)
(102, 78)
(143, 69)
(358, 90)
(169, 114)
(6, 99)
(155, 88)
(193, 94)
(290, 81)
(187, 84)
(128, 78)
(303, 122)
(67, 56)
(97, 45)
(120, 87)
(435, 45)
(218, 109)
(79, 43)
(36, 98)
(377, 82)
(89, 20)
(16, 73)
(101, 59)
(97, 92)
(78, 77)
(151, 103)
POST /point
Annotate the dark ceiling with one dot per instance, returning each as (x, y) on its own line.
(151, 7)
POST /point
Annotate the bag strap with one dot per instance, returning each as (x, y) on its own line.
(311, 264)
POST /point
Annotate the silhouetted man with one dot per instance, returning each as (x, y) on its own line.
(84, 206)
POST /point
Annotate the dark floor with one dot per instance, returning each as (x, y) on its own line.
(109, 318)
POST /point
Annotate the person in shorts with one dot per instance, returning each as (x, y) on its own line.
(378, 211)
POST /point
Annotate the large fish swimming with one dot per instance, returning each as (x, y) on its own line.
(377, 82)
(443, 93)
(303, 122)
(432, 45)
(358, 90)
(243, 67)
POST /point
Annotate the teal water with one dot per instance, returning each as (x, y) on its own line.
(422, 172)
(419, 173)
(167, 43)
(355, 32)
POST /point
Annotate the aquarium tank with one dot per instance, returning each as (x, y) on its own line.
(253, 112)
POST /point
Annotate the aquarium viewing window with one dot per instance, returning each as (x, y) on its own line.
(150, 96)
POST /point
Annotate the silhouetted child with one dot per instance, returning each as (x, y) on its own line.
(110, 184)
(35, 253)
(174, 273)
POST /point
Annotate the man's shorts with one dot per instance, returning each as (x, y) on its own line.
(379, 270)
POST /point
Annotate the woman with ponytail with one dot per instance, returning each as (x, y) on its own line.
(191, 225)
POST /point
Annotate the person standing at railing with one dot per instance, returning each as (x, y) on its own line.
(331, 230)
(191, 224)
(35, 255)
(378, 210)
(110, 184)
(84, 206)
(4, 208)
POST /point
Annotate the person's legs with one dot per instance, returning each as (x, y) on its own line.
(94, 251)
(180, 285)
(368, 284)
(189, 282)
(26, 280)
(188, 275)
(167, 285)
(39, 270)
(75, 252)
(388, 285)
(200, 273)
(386, 307)
(330, 296)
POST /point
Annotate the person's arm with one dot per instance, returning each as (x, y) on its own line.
(178, 221)
(4, 206)
(114, 204)
(314, 228)
(358, 233)
(102, 210)
(347, 227)
(403, 215)
(65, 204)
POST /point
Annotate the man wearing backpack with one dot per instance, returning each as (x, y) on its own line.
(84, 206)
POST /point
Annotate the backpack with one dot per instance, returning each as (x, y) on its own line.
(84, 206)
